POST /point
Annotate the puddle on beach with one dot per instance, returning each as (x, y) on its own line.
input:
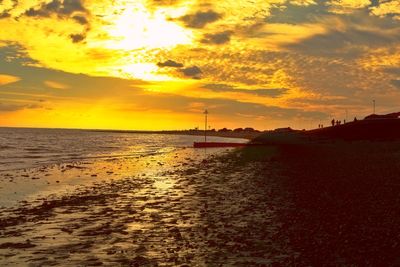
(161, 210)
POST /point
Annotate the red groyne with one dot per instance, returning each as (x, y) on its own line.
(222, 144)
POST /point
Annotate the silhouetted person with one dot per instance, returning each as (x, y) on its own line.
(344, 121)
(355, 119)
(333, 122)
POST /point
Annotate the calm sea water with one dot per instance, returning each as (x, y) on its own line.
(22, 148)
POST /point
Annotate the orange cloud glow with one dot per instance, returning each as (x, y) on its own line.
(6, 79)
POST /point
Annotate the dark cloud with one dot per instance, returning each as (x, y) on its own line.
(374, 3)
(59, 7)
(350, 43)
(80, 19)
(9, 107)
(6, 107)
(273, 92)
(217, 38)
(297, 14)
(200, 19)
(6, 11)
(170, 63)
(392, 70)
(359, 33)
(14, 53)
(219, 87)
(71, 6)
(76, 38)
(4, 15)
(193, 72)
(395, 83)
(65, 9)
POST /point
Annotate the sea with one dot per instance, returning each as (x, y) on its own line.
(37, 163)
(24, 148)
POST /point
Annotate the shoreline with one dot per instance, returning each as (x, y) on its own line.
(200, 133)
(231, 134)
(25, 155)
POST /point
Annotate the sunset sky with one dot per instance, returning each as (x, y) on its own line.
(157, 64)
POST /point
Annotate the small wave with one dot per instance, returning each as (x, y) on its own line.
(33, 157)
(11, 162)
(35, 149)
(74, 155)
(6, 147)
(42, 147)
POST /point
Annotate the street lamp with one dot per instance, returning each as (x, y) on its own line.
(373, 101)
(205, 126)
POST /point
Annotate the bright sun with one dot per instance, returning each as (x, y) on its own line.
(139, 32)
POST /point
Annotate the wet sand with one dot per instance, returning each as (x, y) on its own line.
(209, 213)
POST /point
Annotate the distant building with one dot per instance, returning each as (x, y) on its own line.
(283, 130)
(394, 115)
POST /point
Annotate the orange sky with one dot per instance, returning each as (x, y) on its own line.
(157, 64)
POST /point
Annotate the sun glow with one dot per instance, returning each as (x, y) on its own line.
(138, 28)
(146, 71)
(141, 34)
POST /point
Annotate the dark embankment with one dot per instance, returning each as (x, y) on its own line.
(345, 195)
(383, 129)
(373, 130)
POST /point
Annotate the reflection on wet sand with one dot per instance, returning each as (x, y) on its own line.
(203, 213)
